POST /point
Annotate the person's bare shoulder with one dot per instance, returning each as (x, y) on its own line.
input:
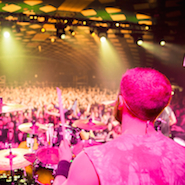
(82, 172)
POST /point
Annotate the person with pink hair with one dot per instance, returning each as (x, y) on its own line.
(140, 155)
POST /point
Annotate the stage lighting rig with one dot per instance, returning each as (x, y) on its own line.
(138, 38)
(102, 32)
(60, 30)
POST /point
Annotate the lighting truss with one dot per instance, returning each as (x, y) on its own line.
(68, 21)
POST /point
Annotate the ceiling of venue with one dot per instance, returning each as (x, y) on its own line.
(31, 53)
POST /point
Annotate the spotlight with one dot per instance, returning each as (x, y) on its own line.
(6, 34)
(137, 38)
(63, 36)
(139, 42)
(60, 30)
(72, 32)
(61, 33)
(43, 30)
(162, 42)
(52, 39)
(147, 27)
(92, 32)
(65, 21)
(102, 33)
(117, 24)
(159, 39)
(33, 17)
(102, 36)
(6, 28)
(103, 39)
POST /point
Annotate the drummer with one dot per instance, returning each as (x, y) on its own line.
(140, 155)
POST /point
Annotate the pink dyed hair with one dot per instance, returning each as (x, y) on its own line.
(146, 92)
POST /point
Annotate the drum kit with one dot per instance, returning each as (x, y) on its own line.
(36, 163)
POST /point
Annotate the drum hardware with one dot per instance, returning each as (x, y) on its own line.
(54, 135)
(10, 157)
(45, 163)
(31, 157)
(43, 176)
(18, 178)
(5, 108)
(71, 134)
(54, 139)
(84, 135)
(11, 161)
(50, 134)
(33, 128)
(75, 136)
(17, 157)
(48, 155)
(89, 124)
(30, 141)
(180, 141)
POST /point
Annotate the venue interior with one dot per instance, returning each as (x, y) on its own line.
(81, 47)
(35, 50)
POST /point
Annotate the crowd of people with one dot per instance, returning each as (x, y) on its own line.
(41, 104)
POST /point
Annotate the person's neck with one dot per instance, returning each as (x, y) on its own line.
(133, 125)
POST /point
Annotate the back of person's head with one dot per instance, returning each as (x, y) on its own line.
(11, 125)
(68, 113)
(146, 92)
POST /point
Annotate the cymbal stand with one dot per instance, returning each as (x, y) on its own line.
(11, 163)
(34, 128)
(50, 134)
(1, 104)
(30, 142)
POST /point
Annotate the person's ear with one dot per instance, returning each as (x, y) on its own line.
(120, 102)
(118, 108)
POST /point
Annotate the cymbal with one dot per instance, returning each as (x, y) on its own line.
(31, 157)
(179, 140)
(48, 155)
(17, 157)
(5, 108)
(83, 144)
(30, 129)
(89, 124)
